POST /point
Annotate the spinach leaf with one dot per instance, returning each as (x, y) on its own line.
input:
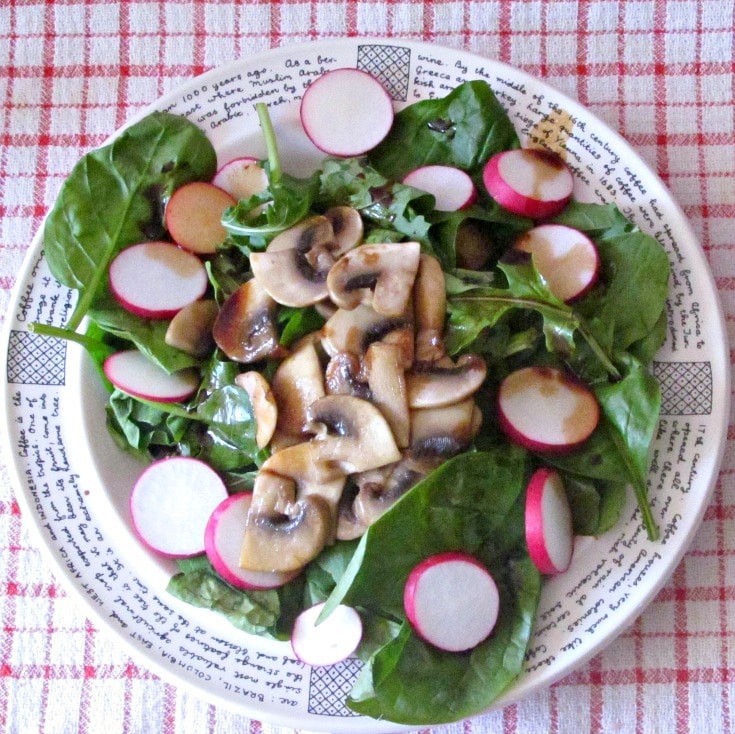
(115, 196)
(462, 129)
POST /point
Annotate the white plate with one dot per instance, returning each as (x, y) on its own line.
(72, 483)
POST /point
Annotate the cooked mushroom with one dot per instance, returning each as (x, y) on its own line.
(386, 378)
(473, 245)
(381, 275)
(354, 331)
(190, 330)
(296, 384)
(434, 384)
(245, 328)
(444, 431)
(352, 433)
(294, 267)
(347, 227)
(430, 305)
(264, 405)
(342, 376)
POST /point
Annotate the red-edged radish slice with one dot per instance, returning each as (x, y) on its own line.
(346, 112)
(545, 409)
(133, 373)
(332, 640)
(223, 542)
(156, 280)
(531, 182)
(452, 601)
(566, 258)
(193, 216)
(451, 187)
(171, 502)
(241, 178)
(549, 531)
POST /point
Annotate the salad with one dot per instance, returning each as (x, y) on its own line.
(388, 488)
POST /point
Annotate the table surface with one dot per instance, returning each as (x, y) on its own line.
(660, 72)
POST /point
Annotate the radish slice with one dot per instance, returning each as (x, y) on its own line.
(531, 182)
(241, 178)
(346, 112)
(171, 503)
(452, 601)
(545, 409)
(133, 373)
(223, 542)
(566, 258)
(549, 532)
(193, 216)
(330, 641)
(451, 187)
(156, 280)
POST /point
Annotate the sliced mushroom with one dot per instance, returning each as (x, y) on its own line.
(296, 384)
(347, 227)
(386, 378)
(190, 330)
(342, 376)
(353, 434)
(294, 267)
(354, 331)
(348, 525)
(264, 405)
(245, 328)
(443, 432)
(381, 275)
(283, 533)
(430, 305)
(434, 384)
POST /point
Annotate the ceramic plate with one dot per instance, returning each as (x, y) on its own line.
(72, 482)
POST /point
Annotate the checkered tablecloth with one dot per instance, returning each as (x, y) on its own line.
(661, 72)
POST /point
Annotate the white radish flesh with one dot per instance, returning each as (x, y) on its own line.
(549, 531)
(133, 373)
(171, 503)
(566, 258)
(452, 188)
(193, 216)
(332, 640)
(452, 601)
(346, 112)
(545, 409)
(223, 543)
(531, 182)
(156, 280)
(241, 178)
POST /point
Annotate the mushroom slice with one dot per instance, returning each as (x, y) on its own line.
(347, 227)
(245, 328)
(443, 431)
(190, 330)
(264, 405)
(294, 267)
(354, 331)
(297, 383)
(352, 433)
(386, 378)
(342, 376)
(282, 533)
(435, 384)
(381, 275)
(430, 306)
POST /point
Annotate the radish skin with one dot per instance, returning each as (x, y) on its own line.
(155, 280)
(171, 502)
(549, 531)
(330, 641)
(452, 601)
(346, 112)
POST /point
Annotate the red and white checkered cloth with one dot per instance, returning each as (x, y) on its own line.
(661, 72)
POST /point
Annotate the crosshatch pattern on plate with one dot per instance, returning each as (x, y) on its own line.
(686, 387)
(391, 65)
(35, 360)
(329, 686)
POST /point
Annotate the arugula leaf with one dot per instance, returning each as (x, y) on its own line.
(115, 196)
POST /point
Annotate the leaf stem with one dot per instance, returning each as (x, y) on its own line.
(271, 146)
(94, 346)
